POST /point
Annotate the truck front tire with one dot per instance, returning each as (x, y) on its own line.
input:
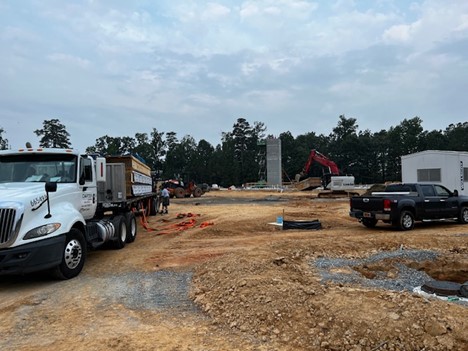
(406, 220)
(463, 217)
(73, 256)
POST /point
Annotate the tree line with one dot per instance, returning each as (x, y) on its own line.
(371, 157)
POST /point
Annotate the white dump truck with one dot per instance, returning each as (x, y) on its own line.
(55, 204)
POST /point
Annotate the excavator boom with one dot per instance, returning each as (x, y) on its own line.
(321, 159)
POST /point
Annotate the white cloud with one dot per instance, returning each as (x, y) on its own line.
(398, 34)
(214, 11)
(69, 59)
(215, 60)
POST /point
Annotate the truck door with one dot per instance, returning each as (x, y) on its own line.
(87, 180)
(432, 204)
(449, 205)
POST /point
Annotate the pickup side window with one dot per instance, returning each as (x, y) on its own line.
(441, 191)
(400, 188)
(428, 190)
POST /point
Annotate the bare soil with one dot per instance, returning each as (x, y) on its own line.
(216, 274)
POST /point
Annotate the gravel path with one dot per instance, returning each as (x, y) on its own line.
(161, 290)
(406, 279)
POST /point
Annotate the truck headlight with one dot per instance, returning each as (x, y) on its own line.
(42, 230)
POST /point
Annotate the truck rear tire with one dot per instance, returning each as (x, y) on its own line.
(120, 233)
(463, 217)
(179, 192)
(154, 205)
(74, 256)
(131, 224)
(406, 220)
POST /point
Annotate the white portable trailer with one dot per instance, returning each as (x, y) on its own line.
(448, 168)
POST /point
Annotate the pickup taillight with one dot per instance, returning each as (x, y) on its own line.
(387, 205)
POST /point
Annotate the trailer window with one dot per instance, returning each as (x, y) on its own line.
(429, 175)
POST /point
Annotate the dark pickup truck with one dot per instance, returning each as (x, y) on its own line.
(402, 204)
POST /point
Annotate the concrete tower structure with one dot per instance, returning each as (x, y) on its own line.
(273, 158)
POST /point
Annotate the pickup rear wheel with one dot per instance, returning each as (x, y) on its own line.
(73, 256)
(369, 222)
(463, 217)
(406, 221)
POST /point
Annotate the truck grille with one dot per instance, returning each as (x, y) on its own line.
(7, 224)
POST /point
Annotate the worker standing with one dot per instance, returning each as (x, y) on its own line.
(165, 199)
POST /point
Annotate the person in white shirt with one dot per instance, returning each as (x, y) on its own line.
(165, 199)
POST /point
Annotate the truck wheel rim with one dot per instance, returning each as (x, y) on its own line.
(407, 221)
(123, 233)
(465, 215)
(73, 254)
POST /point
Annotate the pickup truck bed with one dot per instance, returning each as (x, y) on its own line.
(402, 204)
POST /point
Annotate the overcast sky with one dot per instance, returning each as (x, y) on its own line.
(120, 67)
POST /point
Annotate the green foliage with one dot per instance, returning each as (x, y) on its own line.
(3, 141)
(180, 160)
(457, 136)
(370, 157)
(53, 134)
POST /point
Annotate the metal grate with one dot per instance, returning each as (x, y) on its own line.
(7, 224)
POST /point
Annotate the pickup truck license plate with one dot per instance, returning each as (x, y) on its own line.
(367, 214)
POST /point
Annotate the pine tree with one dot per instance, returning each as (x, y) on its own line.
(53, 135)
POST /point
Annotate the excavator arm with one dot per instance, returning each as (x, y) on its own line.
(331, 180)
(316, 156)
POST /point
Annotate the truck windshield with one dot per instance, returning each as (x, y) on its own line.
(60, 168)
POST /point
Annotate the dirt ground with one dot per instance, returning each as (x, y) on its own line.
(221, 276)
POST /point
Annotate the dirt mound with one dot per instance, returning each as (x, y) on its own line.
(275, 296)
(256, 287)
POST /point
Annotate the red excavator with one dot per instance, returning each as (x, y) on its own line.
(332, 180)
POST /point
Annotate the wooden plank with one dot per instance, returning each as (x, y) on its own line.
(131, 163)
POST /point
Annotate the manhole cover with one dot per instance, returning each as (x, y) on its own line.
(442, 288)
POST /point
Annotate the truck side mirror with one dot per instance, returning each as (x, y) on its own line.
(82, 180)
(50, 187)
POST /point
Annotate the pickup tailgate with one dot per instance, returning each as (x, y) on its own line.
(366, 204)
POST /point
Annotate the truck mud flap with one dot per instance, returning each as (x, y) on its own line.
(315, 225)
